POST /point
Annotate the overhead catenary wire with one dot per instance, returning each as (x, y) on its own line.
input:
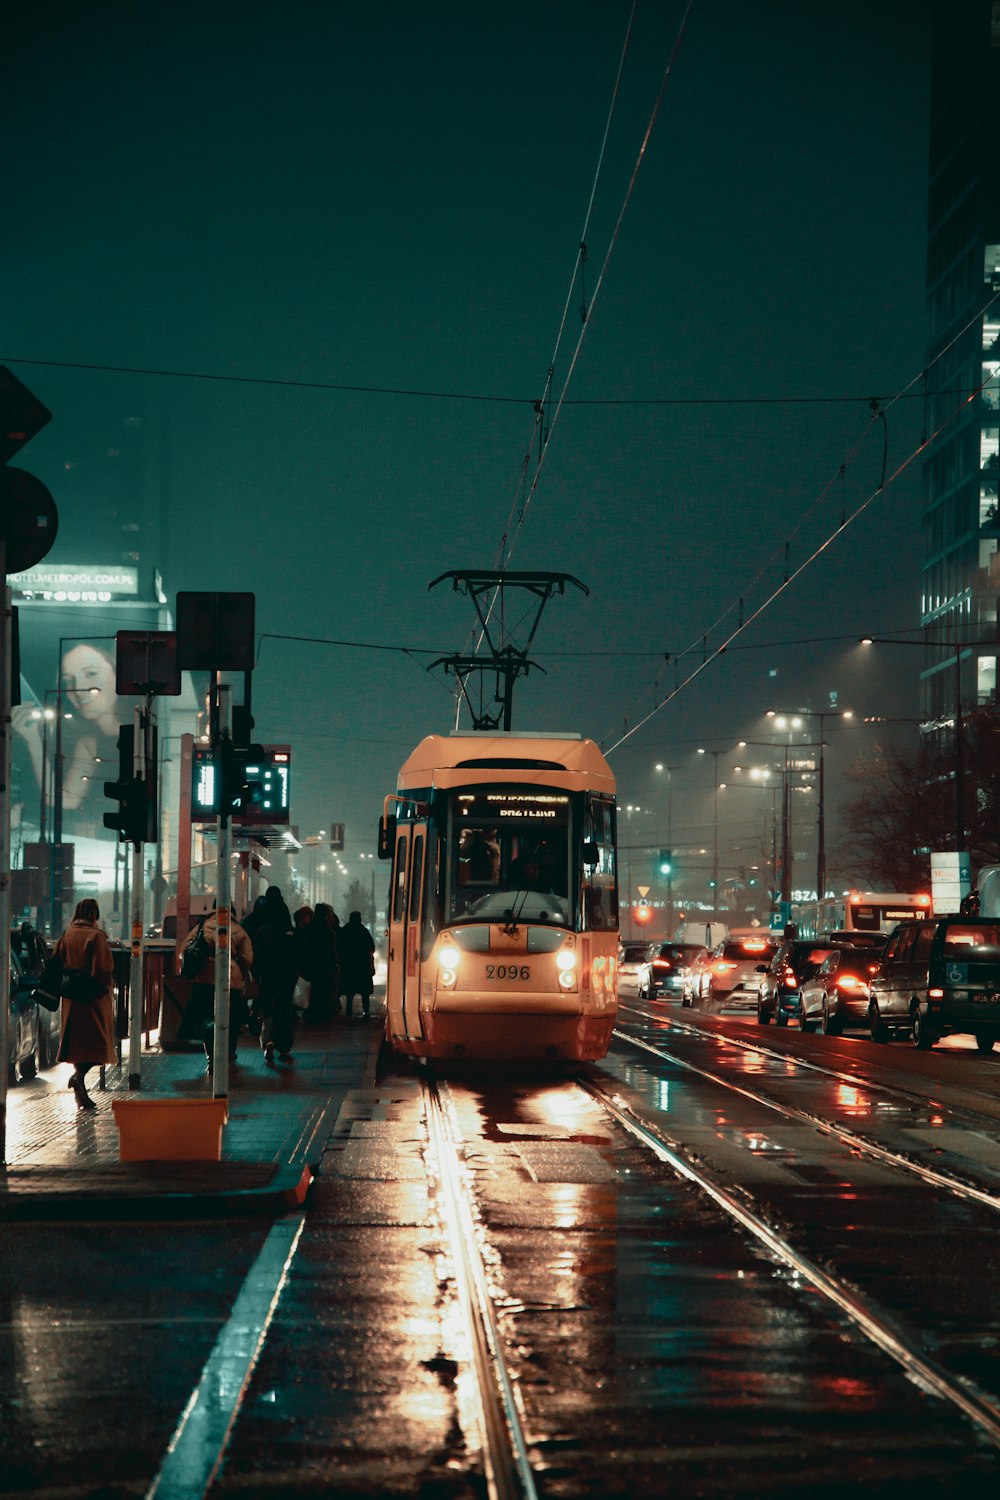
(878, 413)
(427, 394)
(828, 541)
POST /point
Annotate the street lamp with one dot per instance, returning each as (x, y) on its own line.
(786, 821)
(782, 719)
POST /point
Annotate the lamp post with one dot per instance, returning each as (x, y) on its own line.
(782, 719)
(715, 819)
(46, 714)
(785, 893)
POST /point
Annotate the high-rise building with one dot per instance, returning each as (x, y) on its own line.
(961, 566)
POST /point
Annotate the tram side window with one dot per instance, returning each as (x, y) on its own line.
(416, 876)
(599, 884)
(399, 878)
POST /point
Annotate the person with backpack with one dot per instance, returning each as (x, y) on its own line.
(198, 964)
(87, 1038)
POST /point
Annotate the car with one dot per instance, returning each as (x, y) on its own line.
(837, 995)
(631, 956)
(730, 975)
(34, 1031)
(663, 968)
(936, 978)
(781, 981)
(691, 979)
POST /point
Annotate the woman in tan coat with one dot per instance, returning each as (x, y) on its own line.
(88, 1026)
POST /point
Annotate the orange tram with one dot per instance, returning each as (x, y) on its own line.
(503, 899)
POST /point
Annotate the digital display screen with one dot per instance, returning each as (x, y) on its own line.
(272, 774)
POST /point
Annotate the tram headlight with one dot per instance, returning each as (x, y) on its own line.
(566, 964)
(448, 958)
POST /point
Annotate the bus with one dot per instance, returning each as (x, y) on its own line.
(870, 911)
(503, 898)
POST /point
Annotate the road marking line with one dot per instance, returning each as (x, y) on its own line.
(194, 1454)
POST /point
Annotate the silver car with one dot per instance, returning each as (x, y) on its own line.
(631, 956)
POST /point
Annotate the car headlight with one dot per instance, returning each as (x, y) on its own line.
(565, 959)
(448, 957)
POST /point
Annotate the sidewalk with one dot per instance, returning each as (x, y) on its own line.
(62, 1163)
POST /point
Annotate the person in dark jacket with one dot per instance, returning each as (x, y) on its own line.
(275, 969)
(323, 960)
(357, 963)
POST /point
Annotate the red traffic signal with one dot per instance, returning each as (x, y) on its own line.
(642, 913)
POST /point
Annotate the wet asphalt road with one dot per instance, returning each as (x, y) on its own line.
(655, 1347)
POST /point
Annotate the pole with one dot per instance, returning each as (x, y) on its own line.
(55, 859)
(786, 843)
(959, 756)
(142, 744)
(220, 1058)
(6, 628)
(821, 825)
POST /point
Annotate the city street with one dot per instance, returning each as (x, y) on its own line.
(651, 1340)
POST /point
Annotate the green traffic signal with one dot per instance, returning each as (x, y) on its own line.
(664, 862)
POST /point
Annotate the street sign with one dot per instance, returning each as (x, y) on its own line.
(21, 416)
(215, 632)
(28, 519)
(146, 662)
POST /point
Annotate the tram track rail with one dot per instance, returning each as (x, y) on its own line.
(507, 1468)
(841, 1075)
(978, 1407)
(859, 1143)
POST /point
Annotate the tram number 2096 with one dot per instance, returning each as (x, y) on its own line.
(508, 971)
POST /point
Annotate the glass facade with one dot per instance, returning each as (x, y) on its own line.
(961, 519)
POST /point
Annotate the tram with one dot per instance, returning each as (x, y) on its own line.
(503, 898)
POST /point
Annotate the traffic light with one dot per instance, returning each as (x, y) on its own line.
(664, 862)
(642, 913)
(238, 772)
(135, 819)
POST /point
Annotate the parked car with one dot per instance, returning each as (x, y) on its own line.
(731, 973)
(663, 968)
(780, 982)
(630, 958)
(837, 995)
(936, 978)
(34, 1031)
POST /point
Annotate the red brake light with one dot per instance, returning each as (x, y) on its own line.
(924, 900)
(850, 982)
(721, 967)
(790, 976)
(752, 947)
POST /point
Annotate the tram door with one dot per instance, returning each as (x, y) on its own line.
(405, 918)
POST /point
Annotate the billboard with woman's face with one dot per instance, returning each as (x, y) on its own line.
(92, 714)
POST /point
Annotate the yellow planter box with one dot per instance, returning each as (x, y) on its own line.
(170, 1129)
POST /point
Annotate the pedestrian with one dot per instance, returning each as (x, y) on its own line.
(275, 968)
(199, 1019)
(357, 963)
(323, 959)
(88, 1025)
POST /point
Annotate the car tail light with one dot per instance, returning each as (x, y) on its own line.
(850, 982)
(935, 994)
(789, 976)
(721, 967)
(661, 963)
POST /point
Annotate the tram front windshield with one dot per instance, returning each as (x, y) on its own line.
(509, 857)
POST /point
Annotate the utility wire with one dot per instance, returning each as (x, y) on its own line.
(612, 244)
(878, 414)
(485, 397)
(921, 447)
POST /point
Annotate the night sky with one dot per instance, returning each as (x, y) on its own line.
(392, 196)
